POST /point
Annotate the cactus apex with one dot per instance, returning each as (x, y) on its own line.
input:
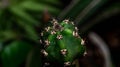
(57, 27)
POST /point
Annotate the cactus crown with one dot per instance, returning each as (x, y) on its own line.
(61, 43)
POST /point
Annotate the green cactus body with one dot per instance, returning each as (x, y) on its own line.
(61, 42)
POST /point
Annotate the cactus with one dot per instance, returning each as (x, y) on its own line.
(61, 43)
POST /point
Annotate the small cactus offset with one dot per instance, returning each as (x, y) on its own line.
(61, 43)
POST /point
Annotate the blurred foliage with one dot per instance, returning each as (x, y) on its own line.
(22, 20)
(19, 24)
(18, 16)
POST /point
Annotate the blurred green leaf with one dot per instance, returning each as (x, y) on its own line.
(15, 53)
(53, 1)
(76, 9)
(89, 10)
(39, 7)
(6, 35)
(0, 12)
(82, 10)
(1, 47)
(0, 18)
(23, 15)
(30, 31)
